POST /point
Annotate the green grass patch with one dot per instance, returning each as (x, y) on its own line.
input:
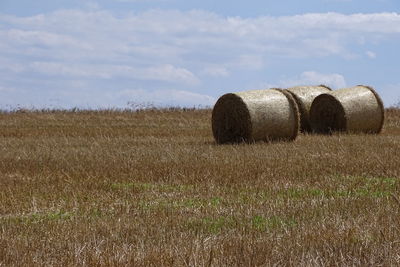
(212, 225)
(176, 204)
(39, 217)
(349, 187)
(215, 225)
(262, 223)
(150, 187)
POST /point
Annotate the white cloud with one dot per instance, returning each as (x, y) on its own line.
(133, 1)
(332, 80)
(253, 62)
(92, 5)
(80, 96)
(171, 97)
(370, 54)
(216, 71)
(176, 47)
(41, 38)
(160, 31)
(166, 73)
(6, 89)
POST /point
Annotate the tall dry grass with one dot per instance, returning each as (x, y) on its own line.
(151, 188)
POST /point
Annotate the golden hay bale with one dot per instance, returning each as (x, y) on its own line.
(356, 109)
(254, 116)
(304, 96)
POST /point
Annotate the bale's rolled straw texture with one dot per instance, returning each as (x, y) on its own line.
(254, 116)
(356, 109)
(304, 96)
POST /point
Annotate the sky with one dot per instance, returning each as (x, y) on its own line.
(138, 53)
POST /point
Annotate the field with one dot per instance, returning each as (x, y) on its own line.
(151, 188)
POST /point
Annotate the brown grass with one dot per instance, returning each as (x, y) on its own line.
(151, 188)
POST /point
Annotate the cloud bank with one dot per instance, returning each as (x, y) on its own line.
(96, 58)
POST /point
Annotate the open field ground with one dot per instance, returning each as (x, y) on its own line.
(151, 188)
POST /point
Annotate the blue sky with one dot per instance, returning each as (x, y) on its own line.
(128, 53)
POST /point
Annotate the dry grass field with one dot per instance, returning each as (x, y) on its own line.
(151, 188)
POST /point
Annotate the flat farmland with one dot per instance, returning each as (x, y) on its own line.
(151, 188)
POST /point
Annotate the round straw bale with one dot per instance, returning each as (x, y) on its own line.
(304, 96)
(356, 109)
(259, 115)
